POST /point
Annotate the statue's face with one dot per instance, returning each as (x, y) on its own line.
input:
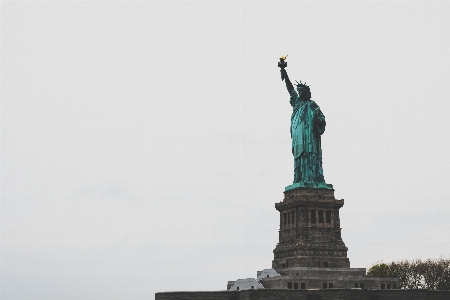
(303, 94)
(300, 93)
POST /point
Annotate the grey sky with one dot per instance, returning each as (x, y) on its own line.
(144, 144)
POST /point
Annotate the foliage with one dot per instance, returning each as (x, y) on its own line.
(431, 274)
(378, 270)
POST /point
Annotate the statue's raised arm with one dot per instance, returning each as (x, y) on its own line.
(284, 76)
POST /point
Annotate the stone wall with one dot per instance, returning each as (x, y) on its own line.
(331, 294)
(319, 278)
(321, 283)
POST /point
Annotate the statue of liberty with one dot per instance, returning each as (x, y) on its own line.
(307, 125)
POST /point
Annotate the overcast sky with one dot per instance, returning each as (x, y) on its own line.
(144, 144)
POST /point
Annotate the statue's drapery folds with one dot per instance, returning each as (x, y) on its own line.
(307, 125)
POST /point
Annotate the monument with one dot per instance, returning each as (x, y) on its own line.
(310, 259)
(310, 232)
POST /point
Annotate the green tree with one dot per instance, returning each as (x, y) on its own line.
(379, 270)
(401, 271)
(430, 274)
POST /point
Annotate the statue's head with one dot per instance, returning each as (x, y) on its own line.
(304, 93)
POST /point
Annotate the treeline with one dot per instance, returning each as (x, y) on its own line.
(430, 274)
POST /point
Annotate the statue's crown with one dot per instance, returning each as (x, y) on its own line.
(302, 85)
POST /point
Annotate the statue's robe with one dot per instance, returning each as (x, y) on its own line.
(307, 125)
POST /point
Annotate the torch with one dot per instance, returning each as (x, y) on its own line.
(282, 63)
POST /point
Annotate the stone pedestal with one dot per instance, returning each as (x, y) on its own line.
(310, 232)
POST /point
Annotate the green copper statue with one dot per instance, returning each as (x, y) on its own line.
(307, 125)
